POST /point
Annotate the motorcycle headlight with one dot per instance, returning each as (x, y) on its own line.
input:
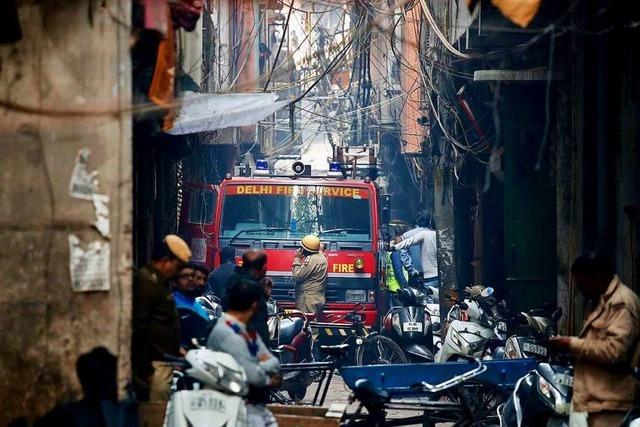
(552, 395)
(395, 321)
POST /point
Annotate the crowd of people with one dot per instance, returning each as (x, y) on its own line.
(605, 350)
(169, 286)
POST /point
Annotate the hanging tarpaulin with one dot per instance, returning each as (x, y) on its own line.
(203, 112)
(520, 12)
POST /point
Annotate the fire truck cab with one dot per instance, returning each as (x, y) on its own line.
(273, 213)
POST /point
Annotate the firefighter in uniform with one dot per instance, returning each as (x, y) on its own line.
(310, 274)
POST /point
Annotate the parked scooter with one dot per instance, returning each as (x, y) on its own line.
(471, 325)
(195, 326)
(208, 391)
(291, 342)
(409, 325)
(534, 329)
(429, 297)
(540, 398)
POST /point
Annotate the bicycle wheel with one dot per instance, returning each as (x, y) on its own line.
(481, 400)
(379, 350)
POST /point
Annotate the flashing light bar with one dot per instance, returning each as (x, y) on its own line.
(262, 167)
(335, 169)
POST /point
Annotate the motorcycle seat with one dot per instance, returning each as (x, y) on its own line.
(289, 328)
(339, 350)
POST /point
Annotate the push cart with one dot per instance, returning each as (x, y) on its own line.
(462, 393)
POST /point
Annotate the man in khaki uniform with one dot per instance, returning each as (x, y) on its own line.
(310, 274)
(605, 350)
(156, 330)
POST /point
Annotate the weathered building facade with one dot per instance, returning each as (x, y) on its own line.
(66, 102)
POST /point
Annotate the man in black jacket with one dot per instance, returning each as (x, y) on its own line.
(156, 330)
(254, 269)
(217, 281)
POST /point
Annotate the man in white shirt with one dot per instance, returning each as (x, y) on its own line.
(422, 244)
(231, 335)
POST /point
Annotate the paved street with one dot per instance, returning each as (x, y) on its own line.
(339, 393)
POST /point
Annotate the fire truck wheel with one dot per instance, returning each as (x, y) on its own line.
(379, 350)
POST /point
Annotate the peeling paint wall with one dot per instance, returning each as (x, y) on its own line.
(73, 57)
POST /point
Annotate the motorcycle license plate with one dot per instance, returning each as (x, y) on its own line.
(502, 326)
(534, 348)
(563, 379)
(412, 327)
(207, 402)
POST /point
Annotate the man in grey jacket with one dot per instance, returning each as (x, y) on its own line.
(230, 335)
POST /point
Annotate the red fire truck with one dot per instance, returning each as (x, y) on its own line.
(274, 213)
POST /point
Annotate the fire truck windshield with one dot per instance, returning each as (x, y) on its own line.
(289, 212)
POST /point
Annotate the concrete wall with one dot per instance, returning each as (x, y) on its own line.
(73, 57)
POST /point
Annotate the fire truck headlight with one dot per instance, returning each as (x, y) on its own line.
(358, 263)
(372, 295)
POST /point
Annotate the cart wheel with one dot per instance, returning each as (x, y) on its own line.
(481, 400)
(379, 350)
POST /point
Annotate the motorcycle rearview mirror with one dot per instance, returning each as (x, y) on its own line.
(195, 343)
(486, 292)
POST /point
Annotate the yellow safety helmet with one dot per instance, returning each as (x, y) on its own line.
(311, 243)
(178, 247)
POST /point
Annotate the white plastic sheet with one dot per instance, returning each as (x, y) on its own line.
(206, 112)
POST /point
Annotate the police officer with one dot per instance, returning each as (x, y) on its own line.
(310, 274)
(156, 330)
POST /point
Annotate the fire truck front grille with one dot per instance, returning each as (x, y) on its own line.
(283, 290)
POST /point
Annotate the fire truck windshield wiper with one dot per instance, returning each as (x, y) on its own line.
(252, 230)
(338, 230)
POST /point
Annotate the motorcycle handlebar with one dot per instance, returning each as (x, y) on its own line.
(176, 361)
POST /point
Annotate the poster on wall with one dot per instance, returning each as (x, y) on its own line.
(89, 265)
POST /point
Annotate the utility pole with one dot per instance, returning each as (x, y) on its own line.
(443, 178)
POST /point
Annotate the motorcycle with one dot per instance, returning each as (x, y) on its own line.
(632, 418)
(535, 328)
(195, 326)
(409, 325)
(291, 342)
(474, 328)
(540, 398)
(208, 391)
